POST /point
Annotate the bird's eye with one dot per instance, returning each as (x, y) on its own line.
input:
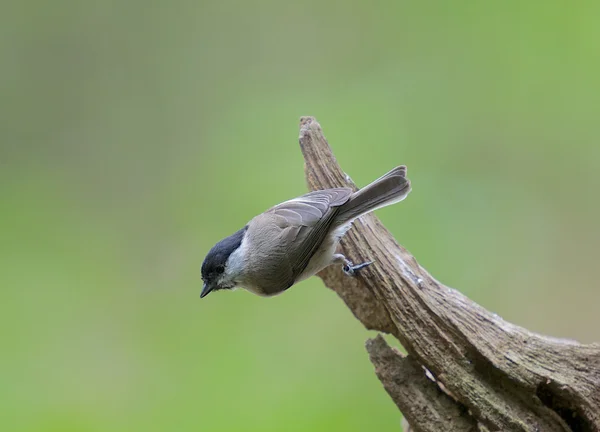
(220, 269)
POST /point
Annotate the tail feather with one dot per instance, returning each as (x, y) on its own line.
(389, 189)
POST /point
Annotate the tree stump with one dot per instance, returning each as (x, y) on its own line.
(467, 369)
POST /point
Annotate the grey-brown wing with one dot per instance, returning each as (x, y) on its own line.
(268, 268)
(313, 213)
(308, 210)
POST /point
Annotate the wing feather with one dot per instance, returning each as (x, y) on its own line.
(309, 209)
(311, 215)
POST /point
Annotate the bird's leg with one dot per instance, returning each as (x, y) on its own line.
(348, 268)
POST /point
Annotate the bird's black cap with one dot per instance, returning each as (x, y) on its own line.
(216, 259)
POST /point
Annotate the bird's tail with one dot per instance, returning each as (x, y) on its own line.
(393, 187)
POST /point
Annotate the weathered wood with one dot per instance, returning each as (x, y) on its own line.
(501, 377)
(419, 398)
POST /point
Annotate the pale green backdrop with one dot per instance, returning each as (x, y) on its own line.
(135, 134)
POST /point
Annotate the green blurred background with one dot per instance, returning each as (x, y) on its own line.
(134, 135)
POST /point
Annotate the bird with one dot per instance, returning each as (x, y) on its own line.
(296, 239)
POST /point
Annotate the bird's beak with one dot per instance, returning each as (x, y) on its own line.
(206, 290)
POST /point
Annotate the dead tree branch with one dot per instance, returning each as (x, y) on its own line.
(496, 376)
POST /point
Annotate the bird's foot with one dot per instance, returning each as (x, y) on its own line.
(351, 270)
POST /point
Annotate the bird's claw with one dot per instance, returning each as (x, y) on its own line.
(351, 270)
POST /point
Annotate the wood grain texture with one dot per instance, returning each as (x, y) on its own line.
(501, 377)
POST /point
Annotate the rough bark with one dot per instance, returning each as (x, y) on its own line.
(485, 374)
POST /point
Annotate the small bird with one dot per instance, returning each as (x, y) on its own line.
(297, 238)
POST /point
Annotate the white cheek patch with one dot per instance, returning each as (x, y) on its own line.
(234, 267)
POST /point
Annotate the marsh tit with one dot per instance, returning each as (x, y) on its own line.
(296, 239)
